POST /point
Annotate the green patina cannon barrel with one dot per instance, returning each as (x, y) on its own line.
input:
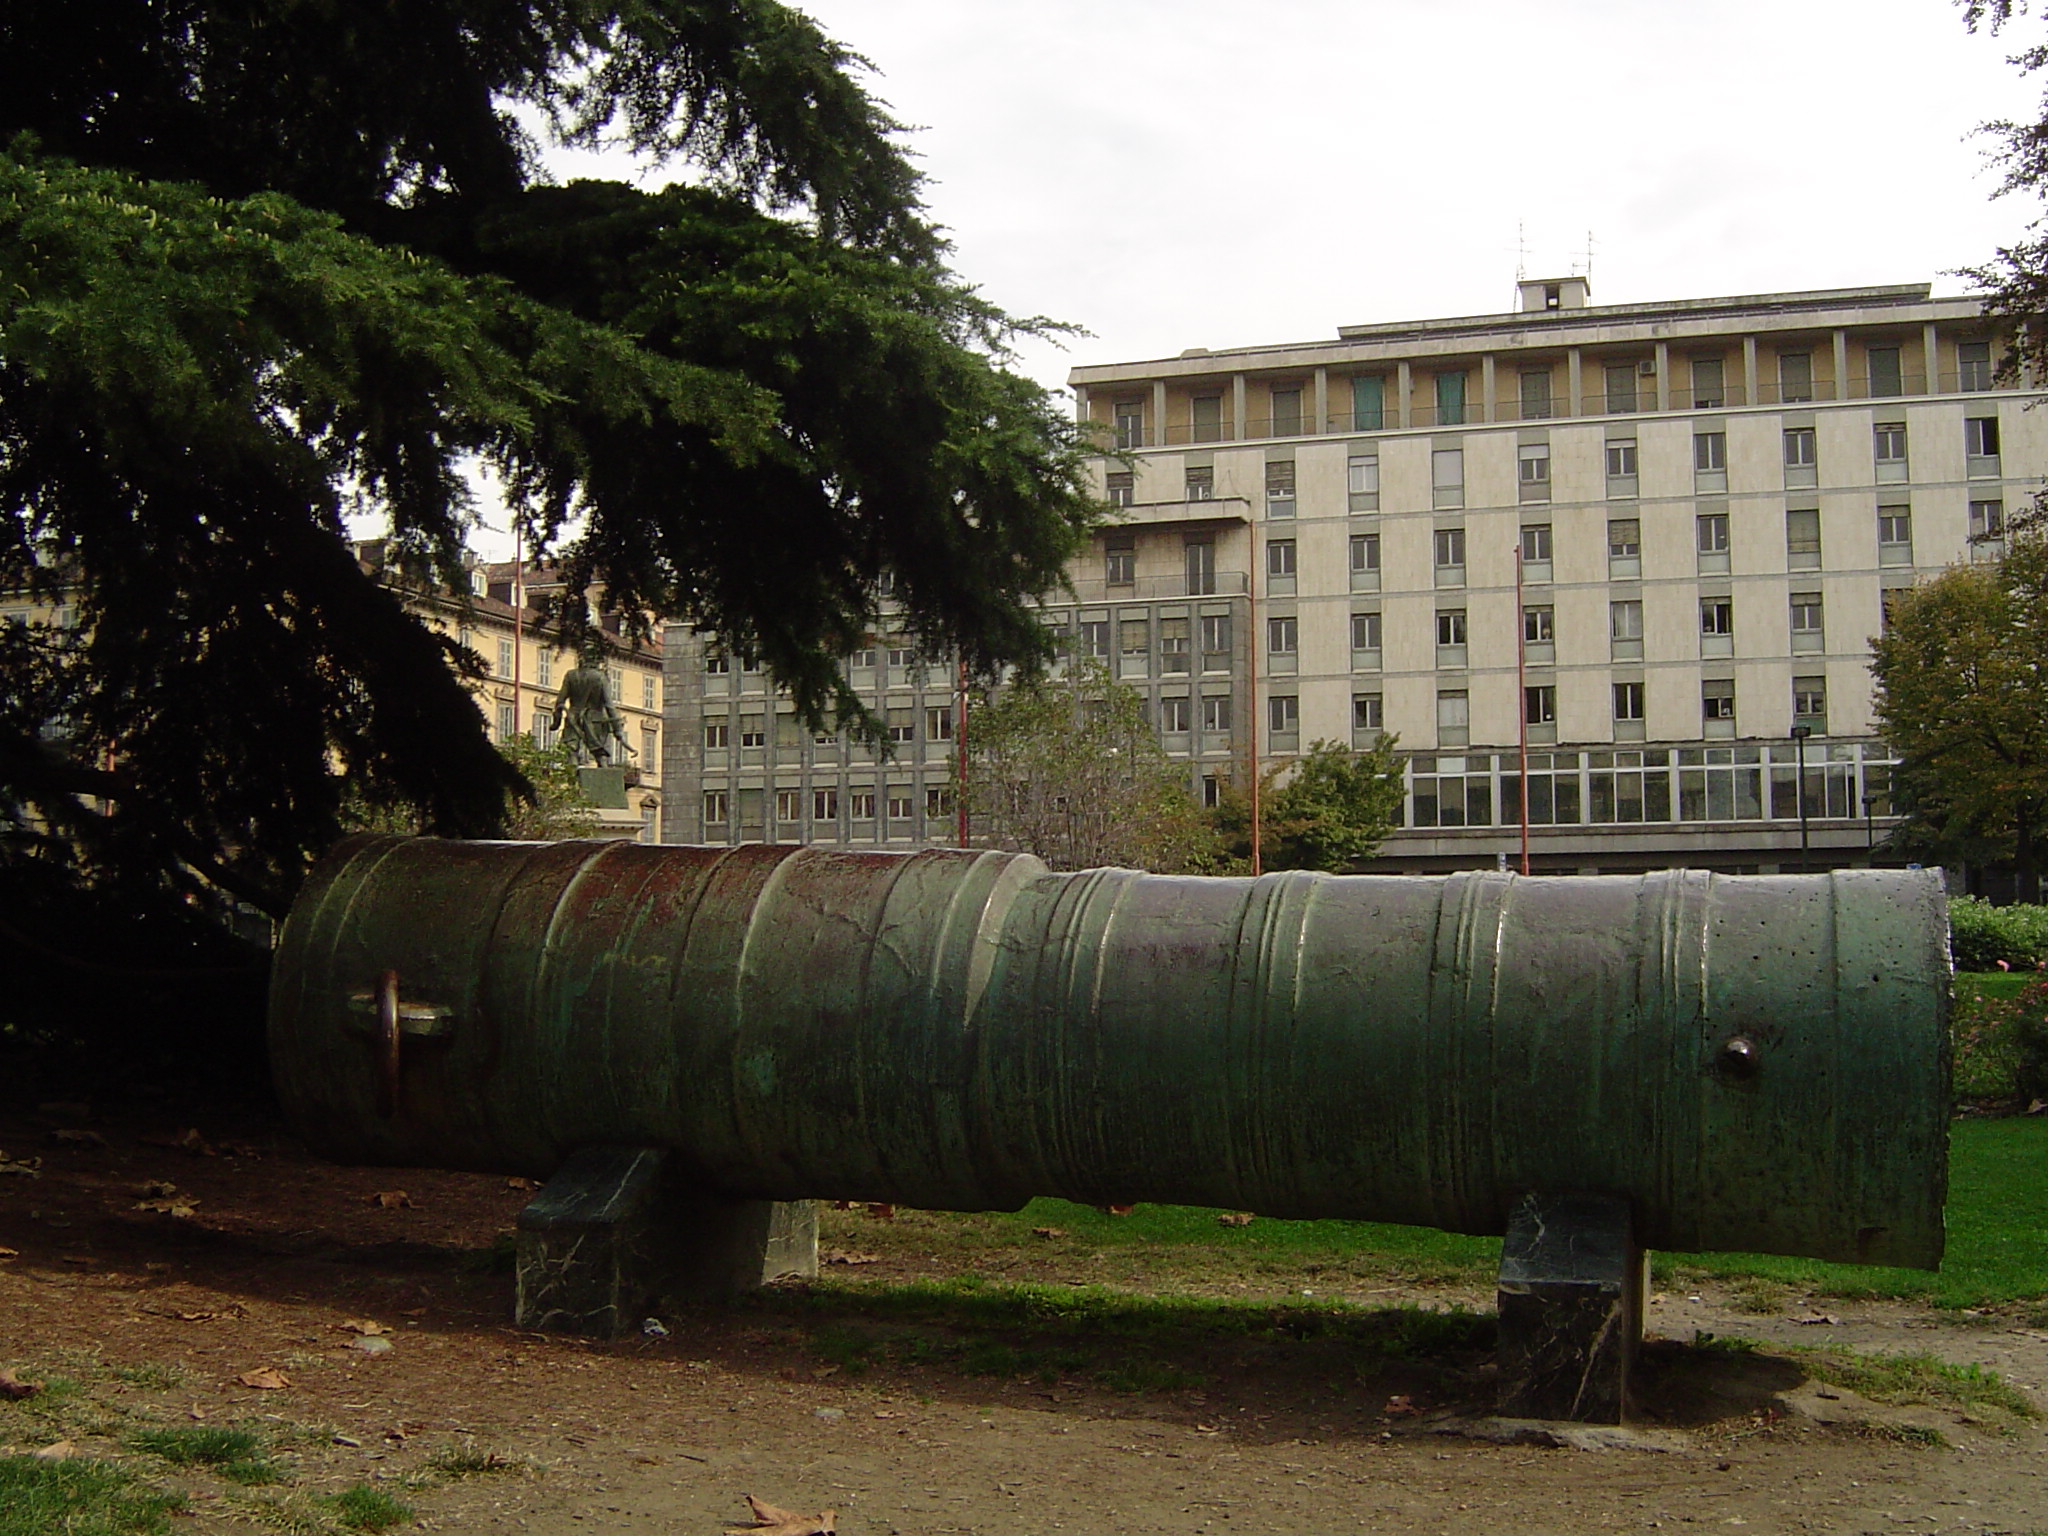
(1755, 1063)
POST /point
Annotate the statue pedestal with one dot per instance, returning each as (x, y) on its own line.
(606, 786)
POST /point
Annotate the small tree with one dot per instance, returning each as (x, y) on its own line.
(1070, 770)
(559, 806)
(1335, 808)
(1962, 695)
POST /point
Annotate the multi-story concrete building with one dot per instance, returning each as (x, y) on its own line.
(1652, 540)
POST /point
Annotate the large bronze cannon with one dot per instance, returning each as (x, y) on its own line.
(1752, 1063)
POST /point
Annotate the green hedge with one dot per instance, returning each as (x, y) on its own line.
(1981, 935)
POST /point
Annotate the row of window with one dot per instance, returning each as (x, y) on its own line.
(1539, 626)
(899, 725)
(1710, 468)
(1539, 707)
(544, 671)
(861, 802)
(1627, 386)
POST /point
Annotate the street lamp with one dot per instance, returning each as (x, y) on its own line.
(1799, 735)
(1869, 828)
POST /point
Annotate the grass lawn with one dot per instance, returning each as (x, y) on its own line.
(1997, 1235)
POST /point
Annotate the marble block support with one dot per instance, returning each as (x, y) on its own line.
(615, 1232)
(1571, 1309)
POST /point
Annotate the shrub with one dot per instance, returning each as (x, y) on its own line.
(2002, 1044)
(1981, 935)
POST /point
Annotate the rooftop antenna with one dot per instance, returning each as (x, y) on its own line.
(1589, 259)
(1521, 251)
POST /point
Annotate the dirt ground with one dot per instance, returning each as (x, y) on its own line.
(259, 1256)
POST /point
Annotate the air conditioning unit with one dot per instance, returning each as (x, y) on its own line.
(1647, 367)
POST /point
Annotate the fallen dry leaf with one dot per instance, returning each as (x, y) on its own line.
(178, 1208)
(1235, 1219)
(28, 1167)
(518, 1183)
(1400, 1406)
(57, 1450)
(264, 1379)
(10, 1253)
(156, 1189)
(770, 1521)
(881, 1212)
(392, 1199)
(364, 1326)
(1817, 1320)
(14, 1389)
(847, 1256)
(1048, 1232)
(76, 1138)
(1117, 1210)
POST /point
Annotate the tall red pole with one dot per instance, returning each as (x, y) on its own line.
(518, 617)
(960, 792)
(1252, 725)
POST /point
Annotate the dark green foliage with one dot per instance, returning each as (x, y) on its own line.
(363, 1508)
(79, 1497)
(267, 265)
(1980, 935)
(2002, 1045)
(1325, 810)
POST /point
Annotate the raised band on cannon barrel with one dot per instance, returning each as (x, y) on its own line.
(1592, 1066)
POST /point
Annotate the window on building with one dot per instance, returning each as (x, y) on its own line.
(504, 668)
(1120, 565)
(789, 806)
(1216, 712)
(1287, 412)
(1205, 419)
(650, 693)
(1093, 635)
(862, 658)
(1365, 631)
(1802, 538)
(1709, 389)
(1795, 377)
(1810, 702)
(1973, 364)
(1621, 458)
(1533, 467)
(860, 802)
(902, 655)
(1282, 635)
(1712, 530)
(1536, 542)
(789, 731)
(753, 730)
(544, 666)
(1450, 399)
(1806, 621)
(1539, 704)
(1198, 482)
(1621, 387)
(508, 720)
(901, 807)
(1453, 716)
(1539, 626)
(1717, 698)
(1625, 620)
(1216, 642)
(825, 803)
(1450, 626)
(938, 801)
(1176, 713)
(1535, 394)
(717, 735)
(1362, 478)
(1987, 520)
(1710, 452)
(1283, 714)
(1980, 443)
(1280, 488)
(1717, 616)
(1886, 376)
(1367, 713)
(1895, 535)
(717, 808)
(1122, 488)
(938, 722)
(1628, 701)
(1450, 547)
(1799, 448)
(1134, 644)
(1368, 403)
(1365, 552)
(1200, 556)
(1624, 538)
(901, 724)
(1889, 449)
(1173, 645)
(1280, 558)
(1130, 425)
(1447, 477)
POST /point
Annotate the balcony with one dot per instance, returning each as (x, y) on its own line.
(1155, 588)
(1201, 509)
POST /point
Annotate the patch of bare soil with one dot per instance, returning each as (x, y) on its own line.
(163, 1270)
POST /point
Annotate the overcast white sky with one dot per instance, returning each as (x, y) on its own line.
(1213, 174)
